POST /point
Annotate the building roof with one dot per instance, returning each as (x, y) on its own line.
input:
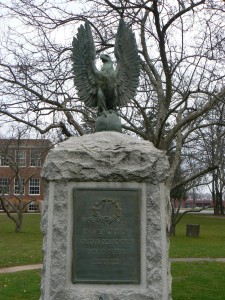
(39, 143)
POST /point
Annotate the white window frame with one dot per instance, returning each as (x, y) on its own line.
(5, 182)
(4, 161)
(16, 186)
(34, 183)
(21, 159)
(33, 206)
(35, 158)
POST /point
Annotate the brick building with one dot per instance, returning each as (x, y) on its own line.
(21, 162)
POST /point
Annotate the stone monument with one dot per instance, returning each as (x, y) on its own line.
(105, 213)
(105, 219)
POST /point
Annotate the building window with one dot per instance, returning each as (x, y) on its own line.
(4, 162)
(16, 186)
(33, 207)
(4, 185)
(35, 158)
(21, 158)
(34, 186)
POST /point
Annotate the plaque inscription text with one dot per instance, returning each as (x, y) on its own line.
(106, 246)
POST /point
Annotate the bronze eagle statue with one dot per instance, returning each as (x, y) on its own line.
(107, 88)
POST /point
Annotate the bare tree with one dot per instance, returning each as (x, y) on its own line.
(183, 183)
(180, 44)
(212, 150)
(15, 177)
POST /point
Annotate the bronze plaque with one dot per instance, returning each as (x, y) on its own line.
(106, 236)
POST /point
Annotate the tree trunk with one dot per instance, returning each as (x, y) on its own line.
(218, 203)
(18, 227)
(173, 229)
(174, 216)
(221, 207)
(214, 195)
(216, 209)
(19, 221)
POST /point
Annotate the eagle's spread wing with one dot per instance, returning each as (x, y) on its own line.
(128, 64)
(83, 57)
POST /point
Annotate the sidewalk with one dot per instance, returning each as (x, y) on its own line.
(20, 268)
(39, 266)
(196, 259)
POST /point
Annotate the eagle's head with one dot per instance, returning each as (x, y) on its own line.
(105, 58)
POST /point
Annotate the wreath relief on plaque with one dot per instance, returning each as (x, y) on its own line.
(107, 211)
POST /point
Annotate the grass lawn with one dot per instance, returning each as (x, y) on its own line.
(20, 286)
(191, 281)
(20, 248)
(210, 243)
(198, 281)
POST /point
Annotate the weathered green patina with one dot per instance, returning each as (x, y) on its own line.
(108, 88)
(106, 236)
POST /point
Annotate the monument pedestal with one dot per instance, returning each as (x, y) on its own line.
(105, 219)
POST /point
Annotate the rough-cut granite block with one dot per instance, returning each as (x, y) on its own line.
(105, 160)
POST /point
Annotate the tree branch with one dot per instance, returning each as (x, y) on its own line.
(197, 175)
(180, 13)
(194, 115)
